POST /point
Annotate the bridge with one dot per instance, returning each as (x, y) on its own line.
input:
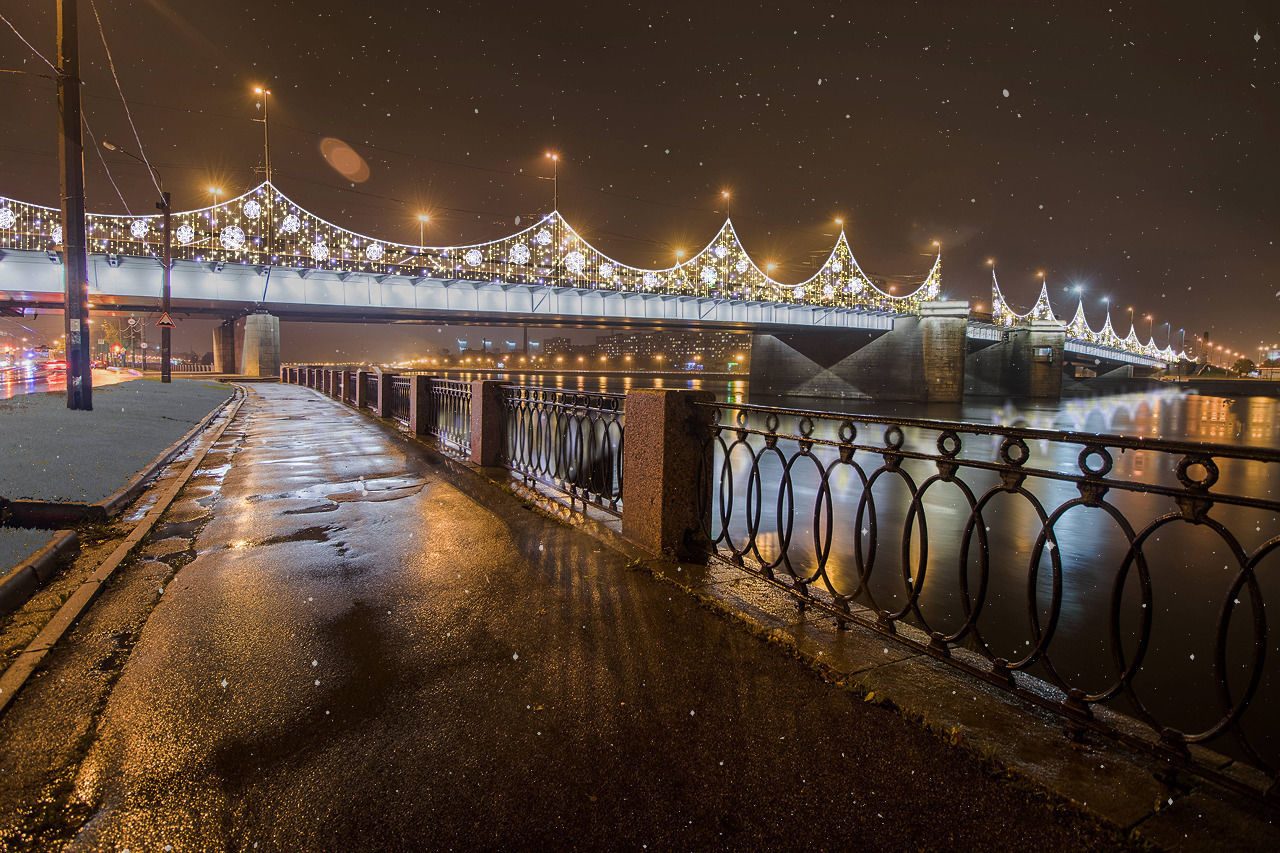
(263, 257)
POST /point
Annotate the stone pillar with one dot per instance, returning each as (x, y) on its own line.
(261, 353)
(486, 422)
(224, 347)
(1047, 343)
(362, 399)
(662, 464)
(943, 337)
(419, 405)
(384, 393)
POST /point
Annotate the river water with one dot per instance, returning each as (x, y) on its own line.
(1191, 567)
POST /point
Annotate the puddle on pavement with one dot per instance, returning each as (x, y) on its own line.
(306, 534)
(307, 510)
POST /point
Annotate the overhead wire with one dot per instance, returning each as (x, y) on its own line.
(28, 44)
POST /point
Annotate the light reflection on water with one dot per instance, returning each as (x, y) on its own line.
(1190, 566)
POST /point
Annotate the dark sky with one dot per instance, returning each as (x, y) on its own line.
(1127, 147)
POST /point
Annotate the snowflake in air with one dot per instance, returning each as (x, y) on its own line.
(837, 267)
(519, 254)
(373, 251)
(232, 238)
(575, 263)
(606, 271)
(252, 210)
(741, 266)
(290, 224)
(797, 292)
(708, 276)
(320, 252)
(185, 234)
(138, 228)
(473, 257)
(720, 252)
(7, 217)
(828, 291)
(650, 280)
(543, 238)
(57, 235)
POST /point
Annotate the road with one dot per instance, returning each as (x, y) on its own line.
(372, 651)
(34, 379)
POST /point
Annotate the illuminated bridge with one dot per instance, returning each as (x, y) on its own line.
(263, 256)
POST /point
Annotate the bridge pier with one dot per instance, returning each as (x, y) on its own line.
(224, 347)
(921, 359)
(1028, 362)
(261, 353)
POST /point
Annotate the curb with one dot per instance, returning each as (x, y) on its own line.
(56, 514)
(20, 582)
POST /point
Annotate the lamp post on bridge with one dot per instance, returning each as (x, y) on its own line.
(166, 210)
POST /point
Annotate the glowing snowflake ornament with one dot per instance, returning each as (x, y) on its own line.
(138, 228)
(741, 266)
(7, 217)
(290, 224)
(57, 235)
(720, 252)
(473, 257)
(373, 252)
(544, 238)
(828, 291)
(708, 276)
(185, 234)
(232, 238)
(252, 210)
(320, 252)
(650, 281)
(855, 286)
(575, 263)
(519, 254)
(797, 292)
(606, 271)
(837, 267)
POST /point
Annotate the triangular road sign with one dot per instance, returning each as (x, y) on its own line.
(165, 320)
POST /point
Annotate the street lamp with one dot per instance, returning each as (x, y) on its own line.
(264, 93)
(1150, 327)
(166, 262)
(423, 219)
(555, 180)
(213, 214)
(725, 195)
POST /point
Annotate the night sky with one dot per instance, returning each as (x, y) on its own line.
(1126, 147)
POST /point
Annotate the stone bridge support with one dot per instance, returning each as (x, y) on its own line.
(922, 359)
(224, 347)
(261, 353)
(1027, 363)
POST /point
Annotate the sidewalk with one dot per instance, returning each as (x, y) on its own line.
(360, 655)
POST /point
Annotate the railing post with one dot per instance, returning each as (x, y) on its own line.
(284, 375)
(662, 463)
(385, 386)
(340, 385)
(419, 405)
(362, 398)
(486, 422)
(328, 381)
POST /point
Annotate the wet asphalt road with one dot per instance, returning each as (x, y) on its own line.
(362, 657)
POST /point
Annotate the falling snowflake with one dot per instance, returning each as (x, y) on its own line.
(543, 238)
(138, 228)
(7, 217)
(290, 224)
(519, 254)
(797, 292)
(837, 267)
(650, 280)
(1005, 92)
(373, 251)
(185, 234)
(252, 210)
(1257, 36)
(720, 252)
(741, 266)
(828, 291)
(708, 276)
(232, 238)
(57, 235)
(320, 252)
(473, 257)
(575, 263)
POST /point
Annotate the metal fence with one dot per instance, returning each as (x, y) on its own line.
(371, 390)
(349, 387)
(399, 399)
(569, 440)
(449, 419)
(1082, 572)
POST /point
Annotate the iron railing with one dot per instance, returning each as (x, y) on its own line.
(569, 440)
(399, 399)
(450, 414)
(1105, 578)
(349, 387)
(371, 390)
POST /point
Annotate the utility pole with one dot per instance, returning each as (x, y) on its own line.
(167, 209)
(75, 253)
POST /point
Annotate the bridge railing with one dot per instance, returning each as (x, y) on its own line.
(568, 440)
(1108, 579)
(449, 413)
(399, 408)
